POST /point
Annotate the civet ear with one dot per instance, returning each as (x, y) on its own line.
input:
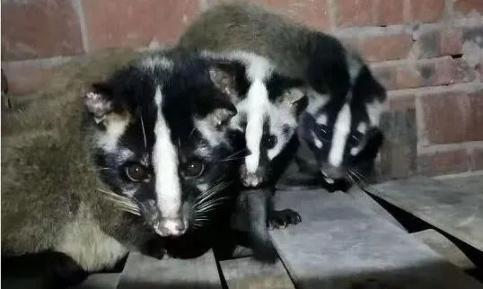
(98, 101)
(230, 78)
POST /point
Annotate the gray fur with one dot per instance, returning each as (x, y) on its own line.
(240, 26)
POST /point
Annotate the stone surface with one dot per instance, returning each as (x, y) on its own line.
(143, 272)
(338, 245)
(247, 273)
(452, 210)
(38, 29)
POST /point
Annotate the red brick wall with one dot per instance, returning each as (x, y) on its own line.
(428, 53)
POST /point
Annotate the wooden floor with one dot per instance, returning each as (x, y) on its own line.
(344, 241)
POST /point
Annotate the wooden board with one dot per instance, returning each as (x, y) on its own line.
(143, 272)
(454, 211)
(365, 202)
(472, 183)
(340, 246)
(247, 273)
(100, 281)
(443, 246)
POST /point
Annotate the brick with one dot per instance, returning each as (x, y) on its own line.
(439, 42)
(474, 34)
(127, 23)
(438, 71)
(480, 68)
(389, 12)
(446, 162)
(388, 47)
(401, 102)
(354, 12)
(41, 28)
(445, 117)
(314, 14)
(475, 122)
(451, 42)
(476, 158)
(369, 12)
(426, 10)
(468, 6)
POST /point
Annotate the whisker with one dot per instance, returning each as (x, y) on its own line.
(143, 130)
(104, 169)
(230, 159)
(235, 154)
(121, 202)
(191, 133)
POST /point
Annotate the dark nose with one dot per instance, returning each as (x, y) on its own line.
(251, 180)
(171, 227)
(330, 171)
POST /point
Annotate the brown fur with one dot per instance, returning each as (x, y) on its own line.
(48, 181)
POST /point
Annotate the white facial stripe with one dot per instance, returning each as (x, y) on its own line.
(316, 101)
(115, 127)
(374, 111)
(317, 142)
(280, 116)
(257, 106)
(341, 132)
(362, 127)
(165, 163)
(209, 133)
(355, 65)
(355, 151)
(124, 154)
(321, 119)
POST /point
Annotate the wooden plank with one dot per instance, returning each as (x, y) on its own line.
(454, 211)
(248, 273)
(100, 281)
(366, 202)
(338, 245)
(143, 272)
(472, 183)
(443, 246)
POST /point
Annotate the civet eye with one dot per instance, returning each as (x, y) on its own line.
(193, 169)
(269, 141)
(323, 129)
(136, 172)
(355, 140)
